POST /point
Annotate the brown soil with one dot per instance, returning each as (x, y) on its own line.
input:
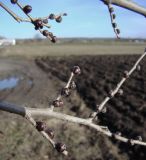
(99, 75)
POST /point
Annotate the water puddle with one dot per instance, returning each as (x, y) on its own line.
(9, 83)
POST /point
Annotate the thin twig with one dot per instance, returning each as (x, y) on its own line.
(21, 7)
(16, 17)
(30, 112)
(86, 122)
(127, 4)
(34, 21)
(113, 23)
(114, 92)
(33, 122)
(66, 87)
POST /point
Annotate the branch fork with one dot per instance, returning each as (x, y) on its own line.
(38, 23)
(30, 113)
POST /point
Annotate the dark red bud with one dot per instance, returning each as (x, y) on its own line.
(113, 16)
(65, 92)
(40, 126)
(120, 92)
(111, 9)
(54, 39)
(60, 147)
(45, 21)
(117, 30)
(51, 16)
(64, 14)
(27, 9)
(45, 33)
(38, 23)
(76, 70)
(57, 103)
(110, 94)
(58, 19)
(50, 133)
(126, 74)
(72, 85)
(114, 25)
(14, 1)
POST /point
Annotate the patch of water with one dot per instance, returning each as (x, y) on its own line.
(9, 83)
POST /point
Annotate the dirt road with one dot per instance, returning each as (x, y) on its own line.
(32, 80)
(40, 79)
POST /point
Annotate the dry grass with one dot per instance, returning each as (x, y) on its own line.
(87, 47)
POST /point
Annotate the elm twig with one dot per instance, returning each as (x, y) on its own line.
(113, 17)
(16, 17)
(119, 85)
(39, 23)
(29, 113)
(66, 91)
(127, 4)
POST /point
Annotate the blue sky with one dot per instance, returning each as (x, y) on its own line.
(86, 18)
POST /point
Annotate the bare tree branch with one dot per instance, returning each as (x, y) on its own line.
(119, 85)
(127, 4)
(38, 23)
(16, 17)
(113, 18)
(29, 113)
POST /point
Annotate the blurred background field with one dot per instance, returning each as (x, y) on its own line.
(76, 46)
(40, 69)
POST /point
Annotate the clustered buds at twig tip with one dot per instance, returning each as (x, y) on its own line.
(38, 23)
(60, 147)
(27, 9)
(45, 21)
(40, 126)
(58, 19)
(76, 70)
(14, 1)
(64, 14)
(51, 16)
(57, 103)
(41, 22)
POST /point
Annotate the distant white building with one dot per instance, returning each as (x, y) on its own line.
(7, 42)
